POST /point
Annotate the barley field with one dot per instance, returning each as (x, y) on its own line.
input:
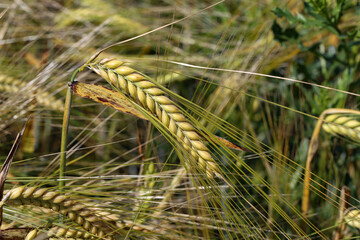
(200, 119)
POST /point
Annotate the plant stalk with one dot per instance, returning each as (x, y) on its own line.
(64, 132)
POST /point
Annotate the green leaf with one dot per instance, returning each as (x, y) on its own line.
(285, 13)
(283, 35)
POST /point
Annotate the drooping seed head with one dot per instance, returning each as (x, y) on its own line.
(153, 100)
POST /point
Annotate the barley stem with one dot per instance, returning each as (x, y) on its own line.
(64, 137)
(65, 130)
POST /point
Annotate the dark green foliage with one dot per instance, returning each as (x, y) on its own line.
(327, 35)
(329, 45)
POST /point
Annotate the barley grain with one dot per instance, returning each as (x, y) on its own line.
(31, 235)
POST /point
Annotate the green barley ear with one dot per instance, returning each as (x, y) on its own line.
(97, 223)
(85, 221)
(337, 124)
(154, 103)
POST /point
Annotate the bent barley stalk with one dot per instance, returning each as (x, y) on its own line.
(95, 223)
(153, 100)
(334, 125)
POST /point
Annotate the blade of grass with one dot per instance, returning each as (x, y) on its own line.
(6, 166)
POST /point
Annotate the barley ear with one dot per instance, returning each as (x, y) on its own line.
(94, 223)
(154, 103)
(337, 124)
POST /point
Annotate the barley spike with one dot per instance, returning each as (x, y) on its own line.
(337, 124)
(141, 90)
(94, 223)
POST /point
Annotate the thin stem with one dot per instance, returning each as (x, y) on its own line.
(64, 136)
(64, 132)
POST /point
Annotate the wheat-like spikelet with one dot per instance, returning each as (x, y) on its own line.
(153, 100)
(43, 98)
(95, 223)
(337, 124)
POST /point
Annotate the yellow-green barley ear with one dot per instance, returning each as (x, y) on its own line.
(154, 103)
(338, 124)
(96, 223)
